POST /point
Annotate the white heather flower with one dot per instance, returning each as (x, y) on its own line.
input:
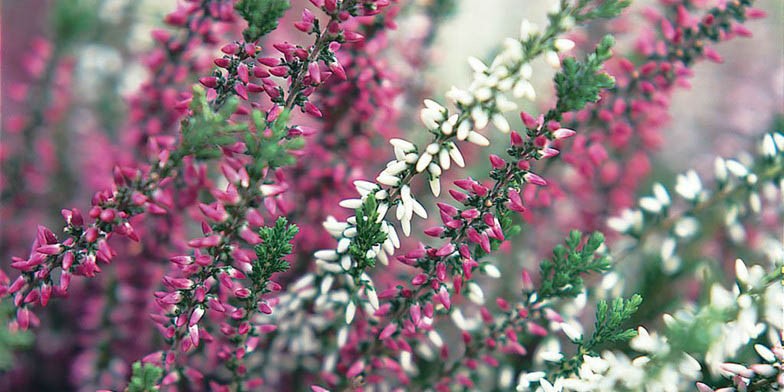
(423, 161)
(430, 118)
(327, 255)
(478, 139)
(350, 232)
(720, 169)
(345, 263)
(629, 220)
(491, 271)
(527, 29)
(435, 185)
(463, 129)
(661, 194)
(686, 227)
(688, 185)
(550, 356)
(475, 293)
(388, 180)
(403, 145)
(395, 167)
(571, 332)
(650, 204)
(563, 44)
(499, 121)
(435, 338)
(768, 146)
(778, 139)
(477, 65)
(372, 297)
(459, 96)
(736, 168)
(551, 58)
(524, 89)
(504, 105)
(480, 117)
(483, 94)
(343, 245)
(351, 310)
(454, 152)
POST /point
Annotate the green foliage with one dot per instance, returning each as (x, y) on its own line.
(603, 10)
(561, 276)
(369, 234)
(144, 378)
(580, 82)
(270, 148)
(275, 245)
(610, 317)
(73, 18)
(207, 130)
(262, 16)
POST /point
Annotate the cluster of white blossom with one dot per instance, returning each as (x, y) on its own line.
(743, 186)
(482, 103)
(731, 320)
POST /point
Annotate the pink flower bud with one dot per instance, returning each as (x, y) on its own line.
(209, 81)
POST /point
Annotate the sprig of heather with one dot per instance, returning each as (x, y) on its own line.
(140, 189)
(699, 212)
(494, 335)
(613, 155)
(156, 107)
(358, 111)
(702, 345)
(483, 102)
(220, 257)
(476, 229)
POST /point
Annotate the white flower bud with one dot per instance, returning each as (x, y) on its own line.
(463, 129)
(571, 332)
(423, 161)
(499, 121)
(480, 117)
(404, 145)
(478, 139)
(551, 58)
(736, 168)
(351, 310)
(563, 44)
(388, 180)
(526, 29)
(661, 194)
(454, 152)
(768, 146)
(477, 65)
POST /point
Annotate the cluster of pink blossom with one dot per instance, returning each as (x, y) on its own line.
(244, 126)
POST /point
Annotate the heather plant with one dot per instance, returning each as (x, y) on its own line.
(250, 227)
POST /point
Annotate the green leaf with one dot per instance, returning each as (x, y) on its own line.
(369, 234)
(262, 16)
(609, 319)
(562, 275)
(580, 82)
(274, 247)
(144, 378)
